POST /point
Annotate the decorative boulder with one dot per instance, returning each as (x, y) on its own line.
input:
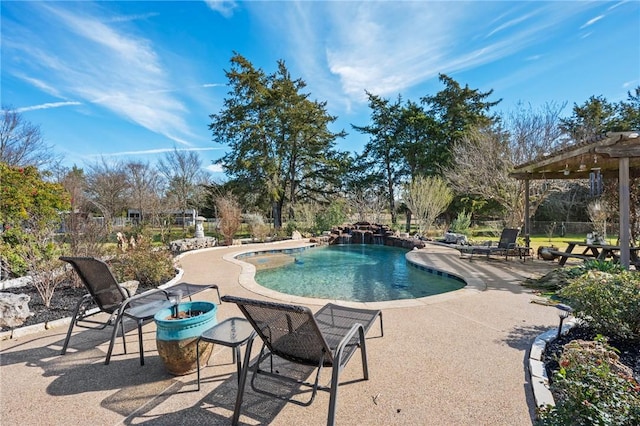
(453, 238)
(130, 286)
(187, 244)
(14, 309)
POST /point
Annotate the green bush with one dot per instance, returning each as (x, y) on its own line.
(151, 266)
(333, 215)
(610, 303)
(592, 389)
(603, 266)
(461, 223)
(13, 253)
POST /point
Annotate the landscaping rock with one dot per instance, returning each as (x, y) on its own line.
(179, 246)
(14, 309)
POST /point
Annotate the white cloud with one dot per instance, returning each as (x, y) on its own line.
(591, 22)
(510, 23)
(45, 87)
(389, 47)
(224, 7)
(152, 151)
(88, 59)
(214, 168)
(48, 105)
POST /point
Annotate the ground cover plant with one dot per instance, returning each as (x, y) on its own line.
(595, 369)
(592, 387)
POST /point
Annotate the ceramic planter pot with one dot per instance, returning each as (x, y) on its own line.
(545, 254)
(176, 336)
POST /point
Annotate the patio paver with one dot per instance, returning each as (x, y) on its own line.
(454, 359)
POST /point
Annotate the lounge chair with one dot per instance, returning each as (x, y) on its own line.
(327, 339)
(506, 246)
(107, 296)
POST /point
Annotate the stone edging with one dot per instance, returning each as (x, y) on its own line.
(36, 328)
(537, 372)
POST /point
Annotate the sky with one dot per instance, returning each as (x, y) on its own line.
(132, 80)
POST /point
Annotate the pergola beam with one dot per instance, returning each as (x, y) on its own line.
(612, 155)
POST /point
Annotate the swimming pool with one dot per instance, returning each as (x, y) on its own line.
(359, 273)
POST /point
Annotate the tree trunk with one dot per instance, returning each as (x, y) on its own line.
(408, 225)
(277, 214)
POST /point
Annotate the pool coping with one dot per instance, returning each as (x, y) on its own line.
(247, 280)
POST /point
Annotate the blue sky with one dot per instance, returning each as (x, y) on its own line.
(131, 80)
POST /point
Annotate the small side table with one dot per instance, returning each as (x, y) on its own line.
(524, 252)
(232, 332)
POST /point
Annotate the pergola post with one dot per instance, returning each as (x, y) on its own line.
(527, 215)
(625, 210)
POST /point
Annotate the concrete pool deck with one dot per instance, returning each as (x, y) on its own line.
(454, 359)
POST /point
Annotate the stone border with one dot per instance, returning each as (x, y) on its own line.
(16, 333)
(537, 372)
(247, 280)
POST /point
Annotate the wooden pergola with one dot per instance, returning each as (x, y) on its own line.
(615, 154)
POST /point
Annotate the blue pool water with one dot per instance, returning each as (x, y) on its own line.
(359, 273)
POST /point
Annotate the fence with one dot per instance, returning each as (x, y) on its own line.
(560, 229)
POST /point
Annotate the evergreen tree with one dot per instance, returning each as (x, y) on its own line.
(279, 140)
(456, 110)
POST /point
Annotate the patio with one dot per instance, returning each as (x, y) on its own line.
(457, 359)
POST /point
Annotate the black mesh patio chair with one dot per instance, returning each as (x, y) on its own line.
(107, 296)
(327, 339)
(506, 246)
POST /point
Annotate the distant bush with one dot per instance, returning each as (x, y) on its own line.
(461, 224)
(259, 230)
(333, 215)
(610, 303)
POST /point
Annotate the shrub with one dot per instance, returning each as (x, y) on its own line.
(230, 213)
(603, 265)
(609, 302)
(333, 215)
(259, 230)
(48, 277)
(152, 267)
(592, 388)
(13, 253)
(461, 223)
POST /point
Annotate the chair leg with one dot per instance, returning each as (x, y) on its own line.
(238, 360)
(72, 324)
(66, 340)
(140, 342)
(124, 340)
(333, 395)
(363, 353)
(242, 382)
(114, 335)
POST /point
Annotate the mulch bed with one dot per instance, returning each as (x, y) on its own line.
(63, 303)
(629, 350)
